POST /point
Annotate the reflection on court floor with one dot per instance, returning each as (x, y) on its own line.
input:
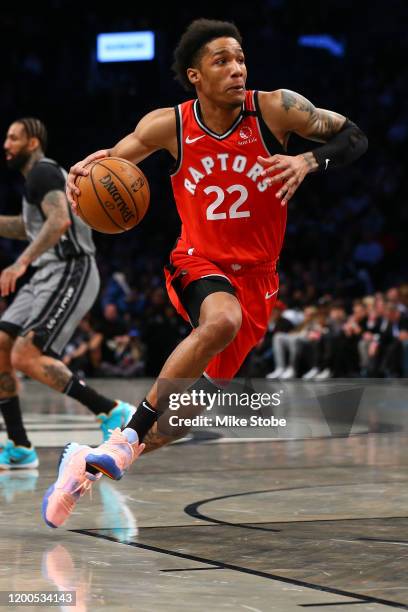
(203, 524)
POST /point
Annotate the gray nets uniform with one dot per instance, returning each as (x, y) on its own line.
(66, 281)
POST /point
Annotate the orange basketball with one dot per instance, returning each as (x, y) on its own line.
(114, 196)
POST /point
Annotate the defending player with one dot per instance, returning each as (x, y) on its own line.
(47, 309)
(232, 182)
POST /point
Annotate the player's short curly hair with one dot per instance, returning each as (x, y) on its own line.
(190, 47)
(35, 128)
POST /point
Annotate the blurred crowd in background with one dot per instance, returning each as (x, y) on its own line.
(344, 276)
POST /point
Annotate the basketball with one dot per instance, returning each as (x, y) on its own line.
(114, 196)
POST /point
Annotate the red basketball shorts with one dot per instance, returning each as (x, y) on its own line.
(256, 288)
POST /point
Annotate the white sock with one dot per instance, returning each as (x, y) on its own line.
(131, 435)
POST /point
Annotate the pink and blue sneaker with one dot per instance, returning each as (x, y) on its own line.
(72, 483)
(113, 457)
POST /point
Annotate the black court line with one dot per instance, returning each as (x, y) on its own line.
(384, 541)
(192, 509)
(245, 570)
(334, 603)
(249, 525)
(153, 527)
(193, 569)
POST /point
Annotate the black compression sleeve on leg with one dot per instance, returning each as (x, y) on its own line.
(11, 411)
(344, 148)
(97, 403)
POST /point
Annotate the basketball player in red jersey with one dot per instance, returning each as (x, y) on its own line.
(232, 182)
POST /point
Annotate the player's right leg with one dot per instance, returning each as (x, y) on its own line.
(219, 322)
(219, 318)
(18, 452)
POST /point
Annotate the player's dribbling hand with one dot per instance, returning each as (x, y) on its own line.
(294, 169)
(9, 277)
(79, 169)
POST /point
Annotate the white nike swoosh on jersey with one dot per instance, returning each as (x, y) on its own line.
(327, 162)
(269, 295)
(191, 140)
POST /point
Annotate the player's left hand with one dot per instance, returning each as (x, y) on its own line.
(9, 277)
(293, 170)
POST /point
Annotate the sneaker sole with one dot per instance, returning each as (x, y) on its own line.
(104, 464)
(44, 507)
(23, 466)
(61, 464)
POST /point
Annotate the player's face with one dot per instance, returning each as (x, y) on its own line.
(17, 146)
(222, 73)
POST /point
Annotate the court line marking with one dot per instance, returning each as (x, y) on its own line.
(192, 569)
(384, 541)
(192, 509)
(334, 603)
(245, 525)
(244, 570)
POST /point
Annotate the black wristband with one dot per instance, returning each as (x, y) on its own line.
(143, 419)
(345, 147)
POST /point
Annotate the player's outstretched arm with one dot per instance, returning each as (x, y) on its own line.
(155, 131)
(290, 112)
(12, 227)
(54, 207)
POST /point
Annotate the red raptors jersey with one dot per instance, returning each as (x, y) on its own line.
(228, 212)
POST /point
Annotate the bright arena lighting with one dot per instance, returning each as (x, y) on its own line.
(323, 41)
(125, 46)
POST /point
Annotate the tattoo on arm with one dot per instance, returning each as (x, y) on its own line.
(55, 208)
(12, 227)
(7, 383)
(311, 161)
(312, 123)
(57, 375)
(291, 99)
(154, 439)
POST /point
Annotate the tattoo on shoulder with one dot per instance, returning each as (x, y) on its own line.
(320, 125)
(290, 99)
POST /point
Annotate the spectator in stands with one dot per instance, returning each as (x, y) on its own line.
(82, 352)
(128, 357)
(387, 349)
(287, 345)
(162, 329)
(327, 344)
(117, 292)
(111, 329)
(374, 309)
(393, 296)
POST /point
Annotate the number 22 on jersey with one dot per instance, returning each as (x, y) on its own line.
(234, 211)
